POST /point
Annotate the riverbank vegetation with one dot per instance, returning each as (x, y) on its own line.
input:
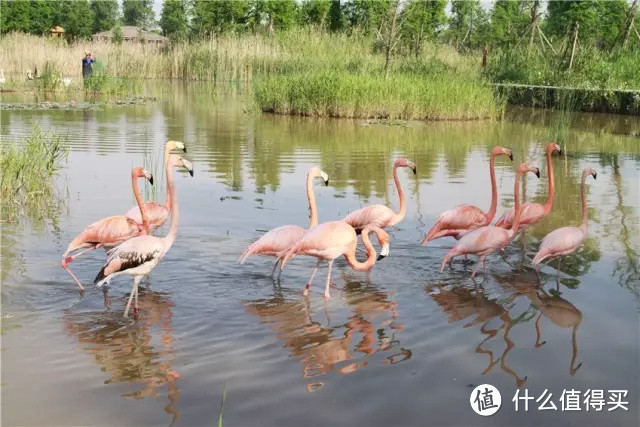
(28, 169)
(361, 57)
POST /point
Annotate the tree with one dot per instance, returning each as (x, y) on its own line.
(275, 14)
(41, 16)
(105, 14)
(612, 21)
(76, 17)
(15, 16)
(138, 13)
(218, 16)
(368, 15)
(468, 24)
(509, 20)
(315, 12)
(423, 20)
(336, 17)
(562, 16)
(117, 36)
(174, 19)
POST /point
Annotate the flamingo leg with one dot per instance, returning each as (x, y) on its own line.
(134, 291)
(328, 285)
(273, 271)
(475, 269)
(538, 333)
(65, 264)
(313, 274)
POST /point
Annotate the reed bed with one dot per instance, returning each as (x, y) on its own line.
(301, 71)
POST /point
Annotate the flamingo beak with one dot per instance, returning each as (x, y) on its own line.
(150, 179)
(595, 174)
(191, 172)
(510, 156)
(384, 252)
(537, 172)
(326, 182)
(415, 170)
(184, 148)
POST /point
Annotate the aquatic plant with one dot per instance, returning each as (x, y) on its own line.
(27, 171)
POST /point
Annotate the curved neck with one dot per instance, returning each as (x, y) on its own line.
(516, 190)
(371, 254)
(175, 214)
(494, 190)
(552, 187)
(585, 211)
(403, 205)
(313, 211)
(141, 204)
(168, 170)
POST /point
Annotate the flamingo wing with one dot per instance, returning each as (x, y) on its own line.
(274, 241)
(378, 215)
(456, 222)
(157, 214)
(530, 214)
(107, 231)
(328, 240)
(482, 241)
(559, 242)
(141, 253)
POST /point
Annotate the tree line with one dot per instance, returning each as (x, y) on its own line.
(405, 23)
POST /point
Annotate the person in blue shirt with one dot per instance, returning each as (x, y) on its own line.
(87, 68)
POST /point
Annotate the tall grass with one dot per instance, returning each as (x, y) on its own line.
(27, 171)
(345, 73)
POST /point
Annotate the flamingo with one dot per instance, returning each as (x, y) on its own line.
(533, 212)
(329, 240)
(380, 215)
(156, 212)
(138, 256)
(488, 239)
(280, 239)
(566, 240)
(460, 220)
(110, 231)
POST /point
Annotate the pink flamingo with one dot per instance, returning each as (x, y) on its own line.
(139, 255)
(278, 240)
(460, 220)
(533, 212)
(566, 240)
(111, 231)
(331, 239)
(488, 239)
(380, 215)
(158, 213)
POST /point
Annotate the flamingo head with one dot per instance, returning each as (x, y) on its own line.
(498, 150)
(383, 240)
(554, 148)
(318, 173)
(180, 162)
(176, 145)
(404, 163)
(524, 168)
(590, 171)
(141, 172)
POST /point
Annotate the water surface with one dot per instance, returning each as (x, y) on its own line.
(402, 345)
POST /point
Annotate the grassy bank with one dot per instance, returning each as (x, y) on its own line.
(27, 171)
(300, 71)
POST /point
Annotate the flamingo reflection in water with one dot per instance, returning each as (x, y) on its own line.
(321, 349)
(124, 350)
(461, 303)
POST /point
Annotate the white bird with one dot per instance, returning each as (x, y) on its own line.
(138, 256)
(29, 75)
(66, 81)
(2, 79)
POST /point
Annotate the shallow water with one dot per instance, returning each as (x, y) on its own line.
(403, 345)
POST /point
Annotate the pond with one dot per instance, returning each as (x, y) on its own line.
(401, 345)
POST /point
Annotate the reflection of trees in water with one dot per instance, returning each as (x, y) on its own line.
(124, 350)
(322, 349)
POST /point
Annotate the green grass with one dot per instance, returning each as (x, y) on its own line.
(27, 172)
(402, 96)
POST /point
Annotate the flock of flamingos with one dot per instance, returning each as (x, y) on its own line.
(134, 251)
